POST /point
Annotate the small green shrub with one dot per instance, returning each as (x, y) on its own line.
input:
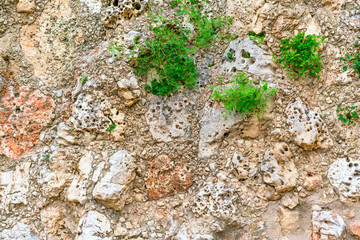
(83, 80)
(258, 37)
(242, 96)
(111, 127)
(301, 55)
(171, 48)
(347, 114)
(46, 157)
(352, 60)
(230, 54)
(115, 50)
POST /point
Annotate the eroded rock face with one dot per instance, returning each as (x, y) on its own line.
(327, 225)
(278, 169)
(289, 220)
(344, 174)
(170, 119)
(216, 199)
(307, 127)
(247, 54)
(26, 6)
(20, 231)
(123, 9)
(112, 190)
(77, 190)
(94, 226)
(213, 128)
(194, 229)
(24, 113)
(165, 177)
(14, 186)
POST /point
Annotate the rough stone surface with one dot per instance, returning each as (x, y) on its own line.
(289, 220)
(165, 177)
(355, 229)
(122, 10)
(213, 128)
(113, 189)
(26, 6)
(344, 175)
(307, 127)
(327, 225)
(24, 113)
(20, 231)
(278, 169)
(258, 63)
(94, 226)
(171, 119)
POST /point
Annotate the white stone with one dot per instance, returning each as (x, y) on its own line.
(63, 135)
(213, 128)
(258, 63)
(20, 231)
(93, 226)
(307, 127)
(93, 5)
(327, 225)
(113, 189)
(344, 174)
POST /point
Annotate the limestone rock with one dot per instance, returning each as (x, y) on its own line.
(123, 9)
(290, 200)
(63, 134)
(194, 229)
(25, 6)
(20, 231)
(307, 127)
(278, 169)
(170, 118)
(289, 220)
(129, 89)
(327, 225)
(77, 190)
(247, 55)
(242, 167)
(213, 128)
(14, 185)
(60, 222)
(344, 175)
(93, 5)
(94, 226)
(312, 181)
(113, 189)
(88, 112)
(165, 177)
(355, 229)
(21, 110)
(216, 199)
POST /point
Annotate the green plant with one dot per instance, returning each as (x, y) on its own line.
(301, 55)
(353, 60)
(258, 37)
(111, 127)
(83, 80)
(115, 50)
(230, 54)
(46, 157)
(242, 96)
(171, 48)
(347, 114)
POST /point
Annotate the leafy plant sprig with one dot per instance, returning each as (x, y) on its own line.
(258, 37)
(301, 55)
(352, 60)
(347, 114)
(171, 48)
(242, 96)
(83, 80)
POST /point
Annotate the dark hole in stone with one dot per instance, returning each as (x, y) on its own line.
(137, 6)
(116, 3)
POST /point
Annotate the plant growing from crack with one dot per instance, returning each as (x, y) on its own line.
(111, 126)
(301, 55)
(352, 60)
(83, 80)
(347, 114)
(242, 96)
(172, 47)
(257, 37)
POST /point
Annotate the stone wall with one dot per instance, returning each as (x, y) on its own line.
(173, 168)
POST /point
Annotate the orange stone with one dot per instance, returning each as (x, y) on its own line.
(166, 178)
(355, 229)
(24, 114)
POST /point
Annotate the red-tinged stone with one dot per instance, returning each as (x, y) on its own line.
(24, 113)
(355, 229)
(165, 178)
